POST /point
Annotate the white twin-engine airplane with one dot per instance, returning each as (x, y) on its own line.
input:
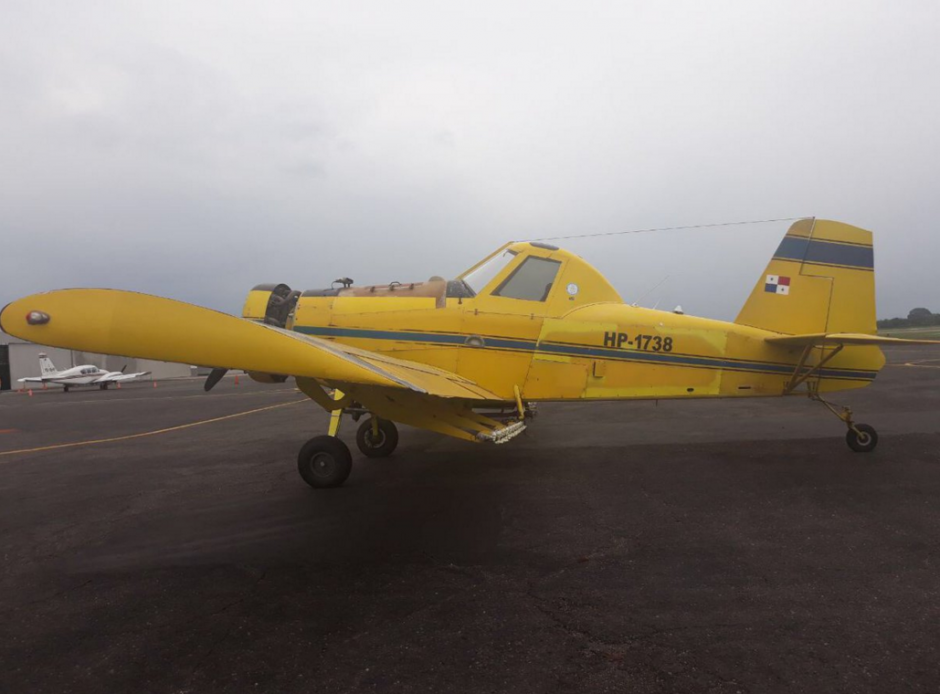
(84, 375)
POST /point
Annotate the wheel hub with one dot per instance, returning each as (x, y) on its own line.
(323, 464)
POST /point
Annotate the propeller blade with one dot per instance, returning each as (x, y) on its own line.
(214, 377)
(124, 368)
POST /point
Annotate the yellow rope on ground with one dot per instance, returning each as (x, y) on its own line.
(149, 433)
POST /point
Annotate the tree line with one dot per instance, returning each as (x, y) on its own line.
(917, 318)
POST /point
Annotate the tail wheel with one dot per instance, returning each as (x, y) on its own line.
(377, 443)
(324, 461)
(862, 439)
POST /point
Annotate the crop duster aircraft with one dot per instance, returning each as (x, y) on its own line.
(529, 323)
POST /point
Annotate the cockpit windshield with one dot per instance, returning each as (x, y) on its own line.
(478, 278)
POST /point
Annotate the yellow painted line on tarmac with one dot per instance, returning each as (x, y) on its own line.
(106, 401)
(150, 433)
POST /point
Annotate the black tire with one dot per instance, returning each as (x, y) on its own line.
(66, 388)
(377, 448)
(324, 461)
(864, 443)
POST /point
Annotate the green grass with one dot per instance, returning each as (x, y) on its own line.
(928, 333)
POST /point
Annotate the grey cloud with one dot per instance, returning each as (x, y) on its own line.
(194, 150)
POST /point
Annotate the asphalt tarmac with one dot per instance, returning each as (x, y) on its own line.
(625, 547)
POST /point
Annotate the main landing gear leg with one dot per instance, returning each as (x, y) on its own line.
(325, 461)
(861, 438)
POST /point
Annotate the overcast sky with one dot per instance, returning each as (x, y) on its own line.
(194, 149)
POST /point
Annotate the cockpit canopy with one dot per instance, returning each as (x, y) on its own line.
(531, 280)
(531, 271)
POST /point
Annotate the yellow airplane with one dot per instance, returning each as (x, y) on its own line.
(529, 323)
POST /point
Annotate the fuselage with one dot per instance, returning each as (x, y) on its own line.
(86, 374)
(542, 320)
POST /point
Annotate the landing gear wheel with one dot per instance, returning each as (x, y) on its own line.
(377, 445)
(862, 441)
(324, 461)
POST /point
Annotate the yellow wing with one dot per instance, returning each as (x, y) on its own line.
(847, 339)
(130, 324)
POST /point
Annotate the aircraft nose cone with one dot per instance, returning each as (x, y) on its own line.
(37, 318)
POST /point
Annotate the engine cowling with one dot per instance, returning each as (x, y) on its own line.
(273, 304)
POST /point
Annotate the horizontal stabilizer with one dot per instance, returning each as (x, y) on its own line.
(845, 339)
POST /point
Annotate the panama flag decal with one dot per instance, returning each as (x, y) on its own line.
(777, 284)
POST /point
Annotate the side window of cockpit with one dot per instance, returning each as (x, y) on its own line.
(531, 281)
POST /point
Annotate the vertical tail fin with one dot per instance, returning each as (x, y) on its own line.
(821, 279)
(46, 367)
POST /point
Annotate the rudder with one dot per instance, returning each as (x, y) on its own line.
(821, 279)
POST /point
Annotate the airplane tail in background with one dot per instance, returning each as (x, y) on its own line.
(46, 367)
(821, 279)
